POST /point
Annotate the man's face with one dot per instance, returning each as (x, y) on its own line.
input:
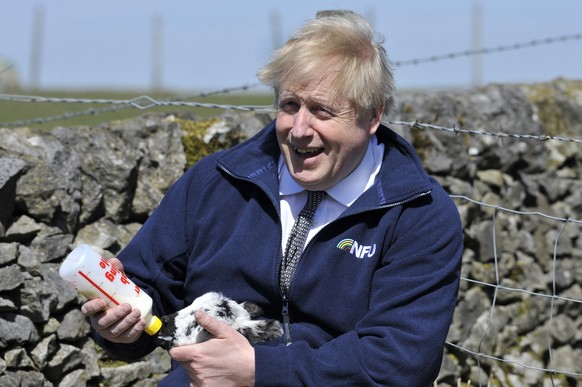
(321, 140)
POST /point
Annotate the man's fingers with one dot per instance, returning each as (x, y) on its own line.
(180, 354)
(213, 326)
(120, 324)
(116, 263)
(92, 307)
(127, 328)
(115, 316)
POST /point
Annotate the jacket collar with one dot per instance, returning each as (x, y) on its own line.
(401, 177)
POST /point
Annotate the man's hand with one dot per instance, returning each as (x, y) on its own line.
(119, 324)
(228, 359)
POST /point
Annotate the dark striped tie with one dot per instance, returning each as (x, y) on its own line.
(297, 238)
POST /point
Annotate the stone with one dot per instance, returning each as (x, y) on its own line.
(7, 305)
(125, 375)
(26, 378)
(530, 313)
(50, 327)
(100, 234)
(36, 303)
(55, 286)
(90, 358)
(92, 201)
(10, 379)
(65, 360)
(566, 359)
(159, 361)
(492, 177)
(563, 329)
(163, 160)
(76, 378)
(8, 253)
(23, 230)
(29, 259)
(18, 358)
(51, 244)
(17, 330)
(44, 350)
(112, 162)
(74, 326)
(11, 277)
(10, 170)
(449, 370)
(471, 306)
(52, 181)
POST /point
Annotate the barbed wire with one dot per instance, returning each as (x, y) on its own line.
(145, 102)
(117, 106)
(491, 50)
(500, 134)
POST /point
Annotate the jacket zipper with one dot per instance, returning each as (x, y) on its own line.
(285, 292)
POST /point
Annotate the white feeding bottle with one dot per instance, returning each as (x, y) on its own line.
(94, 277)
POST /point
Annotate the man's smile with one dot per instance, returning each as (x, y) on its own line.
(309, 152)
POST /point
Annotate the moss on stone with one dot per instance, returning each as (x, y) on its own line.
(193, 139)
(111, 363)
(551, 103)
(203, 137)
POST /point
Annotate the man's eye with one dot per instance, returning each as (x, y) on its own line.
(322, 112)
(289, 107)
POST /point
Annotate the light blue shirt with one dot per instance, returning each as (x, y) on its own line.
(339, 197)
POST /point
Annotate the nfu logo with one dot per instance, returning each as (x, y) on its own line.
(356, 249)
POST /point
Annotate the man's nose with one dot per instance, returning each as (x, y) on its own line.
(302, 123)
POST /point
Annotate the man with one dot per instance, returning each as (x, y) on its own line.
(366, 295)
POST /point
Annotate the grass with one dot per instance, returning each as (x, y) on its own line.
(11, 111)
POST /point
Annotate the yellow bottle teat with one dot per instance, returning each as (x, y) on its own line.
(153, 325)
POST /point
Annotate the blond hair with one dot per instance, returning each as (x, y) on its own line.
(340, 44)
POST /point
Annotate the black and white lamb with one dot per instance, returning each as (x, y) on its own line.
(181, 328)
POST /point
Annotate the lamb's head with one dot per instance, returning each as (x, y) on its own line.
(181, 328)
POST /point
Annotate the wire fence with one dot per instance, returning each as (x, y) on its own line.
(145, 102)
(498, 286)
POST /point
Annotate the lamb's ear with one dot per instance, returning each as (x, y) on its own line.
(261, 330)
(253, 309)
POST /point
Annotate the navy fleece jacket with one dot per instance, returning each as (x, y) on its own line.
(374, 292)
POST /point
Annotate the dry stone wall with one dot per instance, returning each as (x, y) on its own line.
(97, 185)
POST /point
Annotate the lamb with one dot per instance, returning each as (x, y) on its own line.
(181, 328)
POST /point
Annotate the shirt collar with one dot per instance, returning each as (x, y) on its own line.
(349, 188)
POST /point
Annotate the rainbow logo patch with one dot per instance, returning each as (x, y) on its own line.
(345, 244)
(353, 247)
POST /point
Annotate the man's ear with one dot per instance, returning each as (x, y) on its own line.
(376, 118)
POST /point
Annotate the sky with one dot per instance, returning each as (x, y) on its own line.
(212, 45)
